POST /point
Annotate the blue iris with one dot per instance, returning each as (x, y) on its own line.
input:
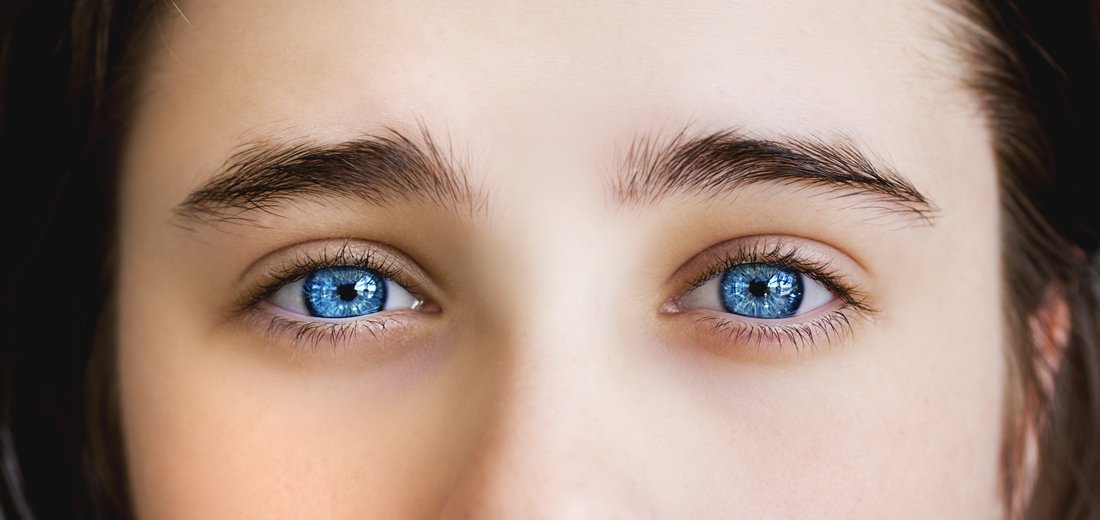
(761, 291)
(343, 292)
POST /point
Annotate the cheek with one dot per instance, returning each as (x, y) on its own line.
(905, 421)
(906, 425)
(217, 426)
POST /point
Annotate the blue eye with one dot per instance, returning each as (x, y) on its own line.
(342, 292)
(760, 290)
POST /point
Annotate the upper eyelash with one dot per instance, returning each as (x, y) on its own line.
(302, 263)
(799, 334)
(787, 256)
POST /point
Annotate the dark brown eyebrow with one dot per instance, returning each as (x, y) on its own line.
(724, 161)
(379, 169)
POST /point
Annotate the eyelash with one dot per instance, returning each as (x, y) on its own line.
(741, 330)
(335, 333)
(737, 330)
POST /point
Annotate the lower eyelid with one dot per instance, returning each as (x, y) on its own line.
(840, 278)
(377, 334)
(281, 327)
(729, 334)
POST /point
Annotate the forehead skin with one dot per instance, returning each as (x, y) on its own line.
(560, 407)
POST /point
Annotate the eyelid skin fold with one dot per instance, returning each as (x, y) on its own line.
(833, 270)
(275, 271)
(727, 332)
(290, 263)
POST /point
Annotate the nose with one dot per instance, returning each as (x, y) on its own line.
(568, 432)
(558, 444)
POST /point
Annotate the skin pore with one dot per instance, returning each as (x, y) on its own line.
(557, 366)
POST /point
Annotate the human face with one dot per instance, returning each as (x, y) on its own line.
(541, 351)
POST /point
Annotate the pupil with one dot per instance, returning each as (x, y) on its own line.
(347, 292)
(758, 288)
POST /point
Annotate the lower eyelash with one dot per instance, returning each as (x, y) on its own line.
(313, 335)
(732, 331)
(834, 326)
(254, 309)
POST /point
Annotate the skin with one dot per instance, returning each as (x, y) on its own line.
(547, 381)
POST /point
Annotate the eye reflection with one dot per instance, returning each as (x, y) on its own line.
(760, 290)
(342, 292)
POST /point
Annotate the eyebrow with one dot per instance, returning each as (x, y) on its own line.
(725, 161)
(390, 168)
(382, 170)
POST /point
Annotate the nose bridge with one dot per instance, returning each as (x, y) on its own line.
(555, 445)
(558, 441)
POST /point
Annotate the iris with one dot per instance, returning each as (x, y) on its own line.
(761, 291)
(343, 292)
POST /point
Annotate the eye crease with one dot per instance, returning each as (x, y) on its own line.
(779, 292)
(336, 292)
(751, 289)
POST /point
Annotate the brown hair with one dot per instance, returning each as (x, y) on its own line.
(68, 69)
(1036, 75)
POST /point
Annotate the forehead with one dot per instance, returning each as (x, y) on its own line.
(534, 77)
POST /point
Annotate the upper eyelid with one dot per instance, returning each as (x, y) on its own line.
(284, 265)
(288, 264)
(747, 246)
(843, 271)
